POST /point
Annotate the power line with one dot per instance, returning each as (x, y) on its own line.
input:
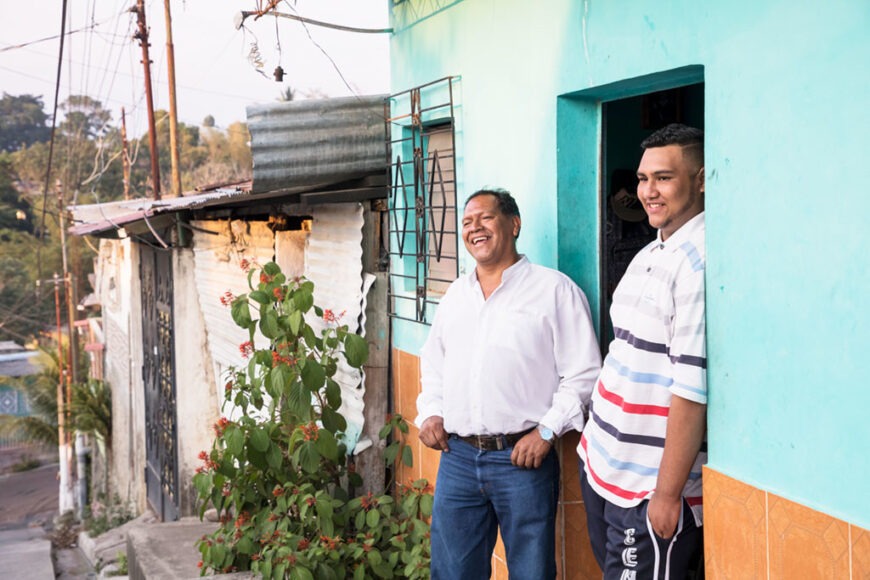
(47, 38)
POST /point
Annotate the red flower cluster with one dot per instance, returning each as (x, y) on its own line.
(330, 316)
(303, 544)
(278, 491)
(229, 386)
(265, 278)
(310, 431)
(310, 501)
(242, 519)
(246, 348)
(368, 501)
(278, 359)
(330, 543)
(221, 426)
(227, 298)
(278, 293)
(209, 464)
(245, 264)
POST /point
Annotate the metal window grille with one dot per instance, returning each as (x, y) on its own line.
(421, 145)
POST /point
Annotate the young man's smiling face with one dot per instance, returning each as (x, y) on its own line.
(489, 235)
(670, 187)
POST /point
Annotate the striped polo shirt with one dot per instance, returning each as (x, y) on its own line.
(658, 351)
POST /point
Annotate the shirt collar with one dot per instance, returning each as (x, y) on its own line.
(512, 271)
(681, 235)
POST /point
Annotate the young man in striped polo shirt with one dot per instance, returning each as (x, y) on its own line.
(644, 444)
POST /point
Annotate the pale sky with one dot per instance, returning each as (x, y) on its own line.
(213, 68)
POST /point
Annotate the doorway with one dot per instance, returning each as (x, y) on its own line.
(158, 373)
(624, 229)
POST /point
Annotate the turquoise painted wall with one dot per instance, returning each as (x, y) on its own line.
(786, 113)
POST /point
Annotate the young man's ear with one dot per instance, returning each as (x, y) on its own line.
(701, 180)
(517, 225)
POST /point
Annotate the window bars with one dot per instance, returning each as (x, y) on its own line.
(421, 146)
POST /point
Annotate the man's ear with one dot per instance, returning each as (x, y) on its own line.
(701, 180)
(517, 225)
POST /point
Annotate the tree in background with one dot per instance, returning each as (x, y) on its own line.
(22, 121)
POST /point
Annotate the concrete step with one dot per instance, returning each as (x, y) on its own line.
(25, 554)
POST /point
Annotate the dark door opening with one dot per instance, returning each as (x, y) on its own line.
(625, 229)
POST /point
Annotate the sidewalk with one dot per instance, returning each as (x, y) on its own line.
(25, 554)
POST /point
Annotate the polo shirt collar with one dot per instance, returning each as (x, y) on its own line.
(681, 235)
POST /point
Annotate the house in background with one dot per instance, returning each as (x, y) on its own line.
(315, 206)
(550, 101)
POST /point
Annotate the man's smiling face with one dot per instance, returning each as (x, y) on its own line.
(489, 235)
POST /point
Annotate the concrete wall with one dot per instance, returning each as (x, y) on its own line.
(785, 90)
(119, 292)
(197, 407)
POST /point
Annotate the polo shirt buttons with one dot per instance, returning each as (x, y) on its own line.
(661, 246)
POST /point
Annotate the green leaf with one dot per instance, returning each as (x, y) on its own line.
(313, 375)
(235, 440)
(257, 458)
(327, 445)
(276, 380)
(309, 458)
(245, 545)
(299, 400)
(295, 321)
(303, 300)
(274, 457)
(359, 573)
(332, 420)
(390, 453)
(407, 456)
(360, 520)
(426, 501)
(356, 350)
(269, 324)
(333, 394)
(241, 312)
(260, 296)
(385, 431)
(203, 483)
(373, 517)
(260, 439)
(271, 268)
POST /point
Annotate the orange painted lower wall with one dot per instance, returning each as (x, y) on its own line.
(751, 533)
(748, 533)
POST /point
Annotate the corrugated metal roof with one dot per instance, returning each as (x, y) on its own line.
(100, 217)
(316, 141)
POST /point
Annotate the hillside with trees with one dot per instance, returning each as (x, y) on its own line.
(87, 167)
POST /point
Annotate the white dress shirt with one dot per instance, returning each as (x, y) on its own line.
(524, 356)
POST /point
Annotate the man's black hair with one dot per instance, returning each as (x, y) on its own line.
(690, 139)
(506, 202)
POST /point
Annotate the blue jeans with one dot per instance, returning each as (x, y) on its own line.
(477, 493)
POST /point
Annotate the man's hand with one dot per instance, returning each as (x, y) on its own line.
(433, 435)
(530, 451)
(664, 514)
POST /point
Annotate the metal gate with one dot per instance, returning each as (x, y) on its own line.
(158, 374)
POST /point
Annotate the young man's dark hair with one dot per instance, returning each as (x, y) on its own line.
(689, 138)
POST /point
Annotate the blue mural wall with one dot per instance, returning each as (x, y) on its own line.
(786, 92)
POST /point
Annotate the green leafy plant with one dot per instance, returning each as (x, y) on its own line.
(101, 516)
(279, 474)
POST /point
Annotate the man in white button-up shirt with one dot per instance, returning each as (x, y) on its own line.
(508, 366)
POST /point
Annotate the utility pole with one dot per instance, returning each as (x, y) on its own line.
(142, 37)
(173, 111)
(125, 152)
(66, 498)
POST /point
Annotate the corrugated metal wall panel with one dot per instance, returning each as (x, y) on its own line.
(333, 261)
(217, 259)
(317, 141)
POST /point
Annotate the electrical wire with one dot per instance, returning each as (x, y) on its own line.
(51, 141)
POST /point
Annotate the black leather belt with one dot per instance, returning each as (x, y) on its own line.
(494, 442)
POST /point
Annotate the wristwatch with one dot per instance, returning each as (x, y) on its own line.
(546, 434)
